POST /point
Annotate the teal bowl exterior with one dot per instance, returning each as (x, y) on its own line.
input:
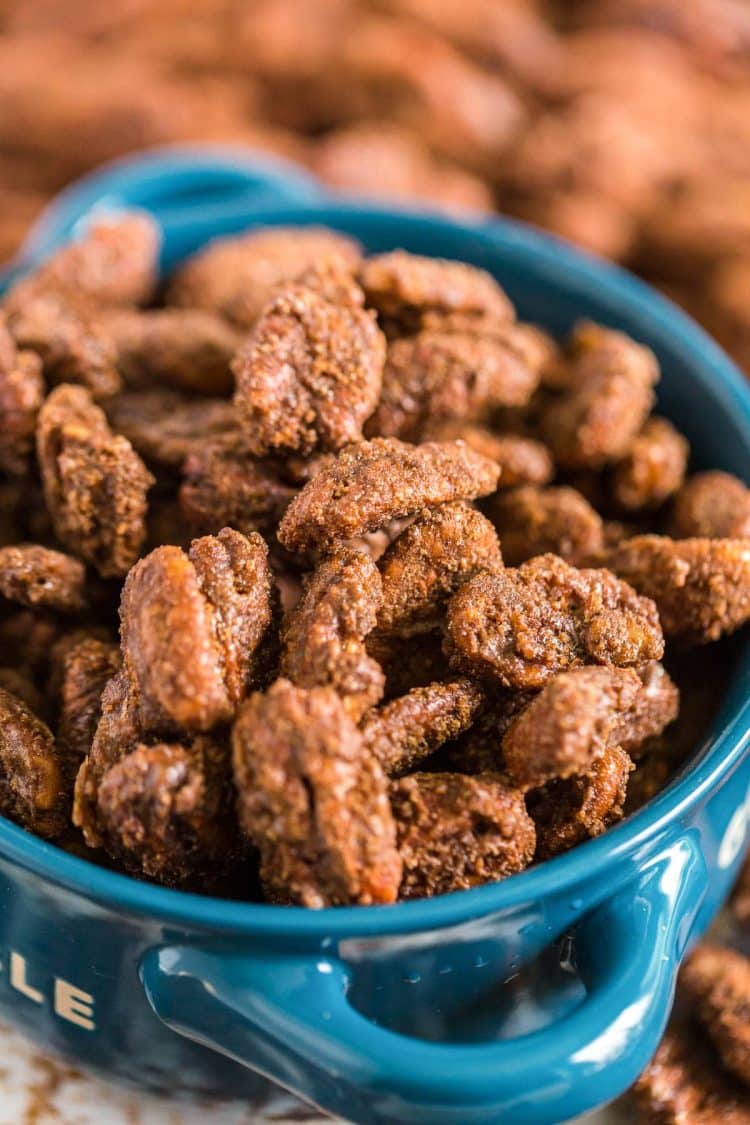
(394, 1014)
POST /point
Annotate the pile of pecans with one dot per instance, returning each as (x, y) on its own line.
(395, 572)
(701, 1072)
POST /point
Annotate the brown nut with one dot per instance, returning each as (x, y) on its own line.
(95, 484)
(165, 811)
(428, 561)
(39, 577)
(456, 832)
(568, 726)
(595, 420)
(653, 468)
(716, 980)
(701, 586)
(521, 459)
(534, 521)
(236, 276)
(194, 628)
(412, 727)
(522, 627)
(374, 482)
(32, 789)
(568, 811)
(87, 667)
(21, 395)
(711, 505)
(314, 800)
(165, 427)
(323, 636)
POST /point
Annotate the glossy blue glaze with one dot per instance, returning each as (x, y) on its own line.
(177, 986)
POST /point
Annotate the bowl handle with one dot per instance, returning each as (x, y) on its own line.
(178, 184)
(287, 1015)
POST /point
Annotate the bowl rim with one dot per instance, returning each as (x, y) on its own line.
(730, 736)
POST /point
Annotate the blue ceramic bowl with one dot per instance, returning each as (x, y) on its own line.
(394, 1014)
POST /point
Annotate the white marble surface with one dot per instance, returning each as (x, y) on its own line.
(37, 1090)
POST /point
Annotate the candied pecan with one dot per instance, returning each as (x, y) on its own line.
(87, 666)
(323, 636)
(521, 459)
(711, 505)
(656, 705)
(374, 482)
(523, 626)
(117, 733)
(685, 1085)
(406, 286)
(31, 782)
(609, 394)
(426, 563)
(717, 983)
(456, 831)
(653, 468)
(568, 726)
(411, 727)
(165, 811)
(21, 395)
(73, 343)
(570, 810)
(95, 484)
(224, 485)
(701, 586)
(314, 800)
(37, 576)
(437, 375)
(114, 263)
(195, 630)
(165, 427)
(310, 373)
(189, 349)
(533, 521)
(236, 276)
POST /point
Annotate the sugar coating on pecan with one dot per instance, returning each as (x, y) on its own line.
(428, 561)
(165, 811)
(188, 349)
(314, 800)
(700, 586)
(374, 482)
(711, 505)
(32, 790)
(608, 396)
(236, 276)
(535, 521)
(406, 287)
(40, 577)
(653, 468)
(21, 395)
(413, 726)
(193, 630)
(438, 375)
(568, 726)
(656, 705)
(456, 832)
(570, 810)
(520, 627)
(322, 638)
(95, 484)
(717, 982)
(309, 374)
